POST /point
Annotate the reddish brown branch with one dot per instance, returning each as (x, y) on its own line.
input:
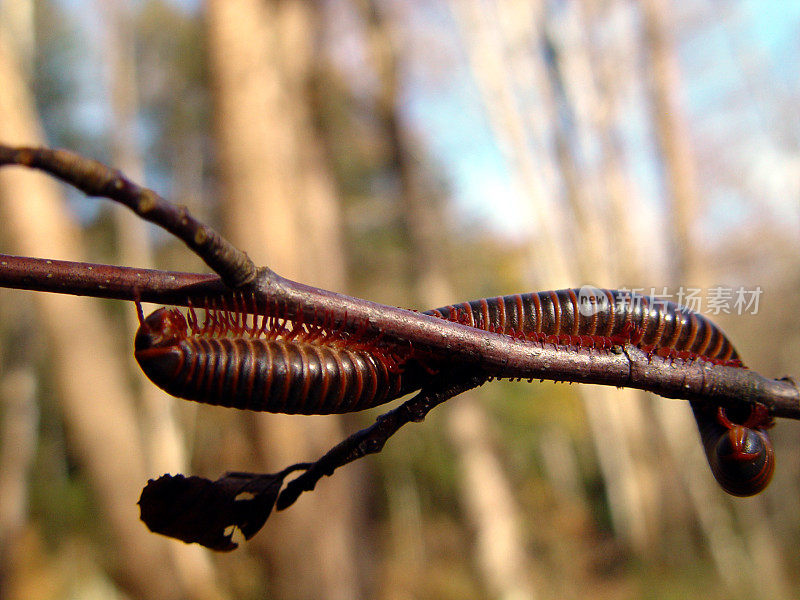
(106, 281)
(495, 353)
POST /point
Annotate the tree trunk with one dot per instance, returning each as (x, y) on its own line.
(280, 205)
(507, 49)
(486, 496)
(89, 370)
(165, 447)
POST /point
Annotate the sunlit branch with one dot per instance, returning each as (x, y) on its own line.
(496, 353)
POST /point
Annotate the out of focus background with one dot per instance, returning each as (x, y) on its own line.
(414, 153)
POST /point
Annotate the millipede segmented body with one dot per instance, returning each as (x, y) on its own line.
(295, 370)
(276, 366)
(598, 318)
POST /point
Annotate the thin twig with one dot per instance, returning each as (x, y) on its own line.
(477, 355)
(371, 440)
(96, 179)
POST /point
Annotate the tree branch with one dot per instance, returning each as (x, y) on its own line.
(96, 179)
(498, 354)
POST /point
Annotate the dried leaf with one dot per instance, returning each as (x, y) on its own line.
(194, 509)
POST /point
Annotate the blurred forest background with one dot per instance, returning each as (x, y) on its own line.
(414, 153)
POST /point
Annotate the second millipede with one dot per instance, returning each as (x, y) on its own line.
(740, 454)
(292, 368)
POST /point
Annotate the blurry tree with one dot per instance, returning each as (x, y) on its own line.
(508, 48)
(281, 205)
(165, 446)
(485, 494)
(104, 435)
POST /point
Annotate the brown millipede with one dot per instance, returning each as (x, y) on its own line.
(274, 366)
(740, 454)
(598, 318)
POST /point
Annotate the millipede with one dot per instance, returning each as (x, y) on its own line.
(739, 452)
(232, 359)
(598, 318)
(240, 359)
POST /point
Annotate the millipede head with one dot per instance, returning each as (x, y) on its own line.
(162, 327)
(743, 457)
(157, 345)
(745, 461)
